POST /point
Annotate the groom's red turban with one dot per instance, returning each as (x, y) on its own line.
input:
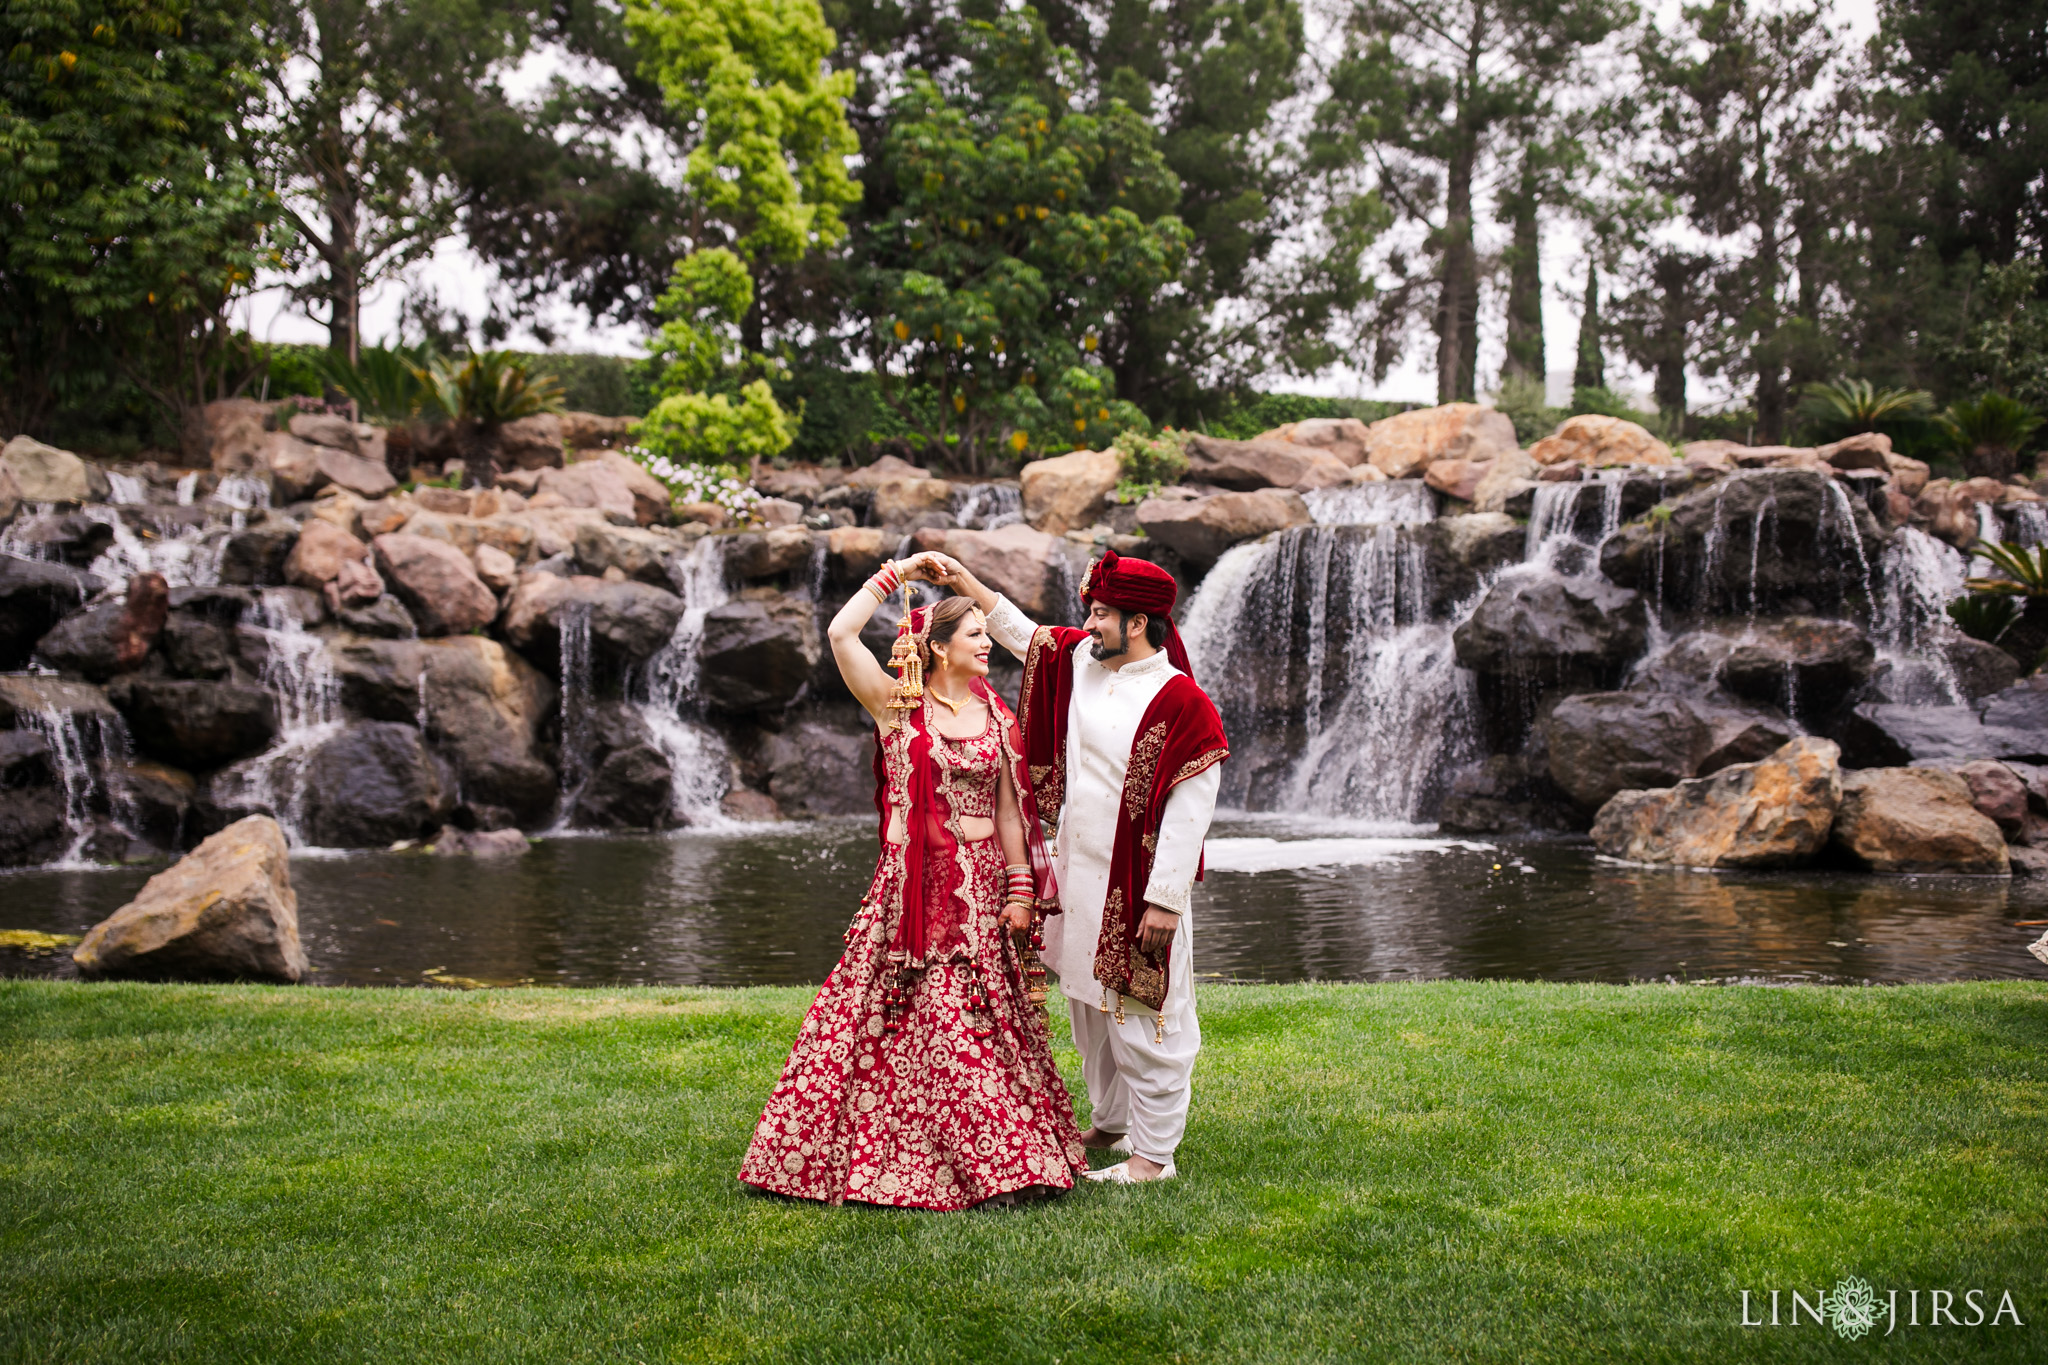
(1137, 585)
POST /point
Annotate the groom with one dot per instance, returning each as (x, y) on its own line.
(1125, 753)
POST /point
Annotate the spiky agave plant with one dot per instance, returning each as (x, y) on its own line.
(1852, 405)
(484, 392)
(2024, 571)
(385, 380)
(1984, 616)
(1989, 432)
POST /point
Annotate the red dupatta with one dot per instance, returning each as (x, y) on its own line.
(1179, 736)
(906, 781)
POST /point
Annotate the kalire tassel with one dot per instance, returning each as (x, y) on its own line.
(906, 660)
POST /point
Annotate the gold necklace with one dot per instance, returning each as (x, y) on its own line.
(954, 706)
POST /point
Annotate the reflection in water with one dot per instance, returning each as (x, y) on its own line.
(768, 908)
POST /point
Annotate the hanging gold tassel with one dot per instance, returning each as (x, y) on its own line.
(907, 660)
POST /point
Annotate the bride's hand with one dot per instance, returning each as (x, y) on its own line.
(943, 568)
(1016, 917)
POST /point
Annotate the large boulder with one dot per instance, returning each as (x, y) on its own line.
(1772, 813)
(1915, 820)
(590, 483)
(255, 555)
(1595, 441)
(1248, 465)
(2012, 724)
(595, 431)
(437, 583)
(1069, 491)
(230, 433)
(112, 638)
(225, 911)
(1404, 445)
(758, 651)
(632, 788)
(75, 538)
(629, 621)
(1031, 568)
(770, 553)
(32, 825)
(1344, 437)
(904, 502)
(359, 474)
(516, 534)
(2000, 795)
(651, 498)
(1601, 743)
(637, 554)
(817, 770)
(1464, 551)
(853, 553)
(1200, 529)
(317, 557)
(196, 724)
(1755, 543)
(1561, 630)
(22, 696)
(292, 464)
(485, 710)
(530, 443)
(1799, 663)
(371, 785)
(34, 596)
(45, 474)
(1505, 477)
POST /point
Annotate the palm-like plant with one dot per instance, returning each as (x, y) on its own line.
(385, 380)
(2024, 572)
(489, 389)
(1852, 405)
(1989, 432)
(1984, 616)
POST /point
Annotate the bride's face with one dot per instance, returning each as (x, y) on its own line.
(966, 654)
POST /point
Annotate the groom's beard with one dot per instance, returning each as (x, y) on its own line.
(1101, 649)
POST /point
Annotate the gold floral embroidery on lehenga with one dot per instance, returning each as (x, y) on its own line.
(963, 1103)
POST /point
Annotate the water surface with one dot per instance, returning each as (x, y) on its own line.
(1281, 903)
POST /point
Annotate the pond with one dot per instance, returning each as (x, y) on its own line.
(1281, 903)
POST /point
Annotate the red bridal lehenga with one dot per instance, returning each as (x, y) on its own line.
(923, 1075)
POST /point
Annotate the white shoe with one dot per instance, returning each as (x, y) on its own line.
(1120, 1174)
(1123, 1144)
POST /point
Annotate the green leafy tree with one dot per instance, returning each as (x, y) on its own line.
(1426, 92)
(1745, 138)
(699, 350)
(371, 113)
(132, 216)
(1024, 231)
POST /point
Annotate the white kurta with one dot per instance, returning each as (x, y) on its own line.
(1102, 725)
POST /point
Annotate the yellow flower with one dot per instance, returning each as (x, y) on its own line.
(902, 330)
(959, 402)
(69, 59)
(1088, 344)
(1102, 414)
(1080, 425)
(1042, 211)
(1022, 209)
(958, 341)
(1018, 440)
(1041, 125)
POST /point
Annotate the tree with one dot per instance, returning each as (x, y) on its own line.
(1589, 371)
(1024, 233)
(1424, 90)
(1661, 322)
(1973, 74)
(1743, 134)
(370, 112)
(132, 216)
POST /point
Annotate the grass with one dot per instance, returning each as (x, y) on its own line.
(1468, 1171)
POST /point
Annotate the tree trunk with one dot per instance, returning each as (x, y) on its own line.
(1591, 370)
(1525, 284)
(1458, 300)
(1673, 274)
(1766, 354)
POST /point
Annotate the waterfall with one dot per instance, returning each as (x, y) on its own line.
(1560, 538)
(14, 540)
(665, 691)
(186, 555)
(2029, 524)
(1397, 501)
(579, 696)
(1923, 576)
(985, 506)
(126, 488)
(1316, 647)
(81, 751)
(299, 674)
(188, 485)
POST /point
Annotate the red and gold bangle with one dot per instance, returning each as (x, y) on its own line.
(884, 580)
(1022, 887)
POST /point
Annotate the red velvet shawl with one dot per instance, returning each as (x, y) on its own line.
(1179, 736)
(909, 784)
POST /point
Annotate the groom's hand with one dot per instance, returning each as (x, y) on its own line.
(1155, 930)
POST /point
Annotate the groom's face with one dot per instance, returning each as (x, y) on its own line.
(1111, 629)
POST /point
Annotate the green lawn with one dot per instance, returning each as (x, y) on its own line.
(1460, 1171)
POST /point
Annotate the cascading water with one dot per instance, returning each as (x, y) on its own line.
(84, 747)
(299, 674)
(666, 693)
(126, 488)
(579, 698)
(1559, 535)
(1316, 646)
(186, 555)
(986, 506)
(1397, 502)
(1922, 577)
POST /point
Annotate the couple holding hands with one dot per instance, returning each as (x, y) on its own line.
(923, 1075)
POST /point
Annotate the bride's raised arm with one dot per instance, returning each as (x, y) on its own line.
(869, 682)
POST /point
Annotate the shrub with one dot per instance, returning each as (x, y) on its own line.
(1145, 463)
(1989, 432)
(723, 484)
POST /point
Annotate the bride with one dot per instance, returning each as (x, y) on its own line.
(923, 1075)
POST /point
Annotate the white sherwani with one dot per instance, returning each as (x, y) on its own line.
(1144, 1083)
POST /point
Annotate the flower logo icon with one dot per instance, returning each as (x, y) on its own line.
(1852, 1307)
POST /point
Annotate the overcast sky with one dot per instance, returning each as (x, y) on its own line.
(464, 282)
